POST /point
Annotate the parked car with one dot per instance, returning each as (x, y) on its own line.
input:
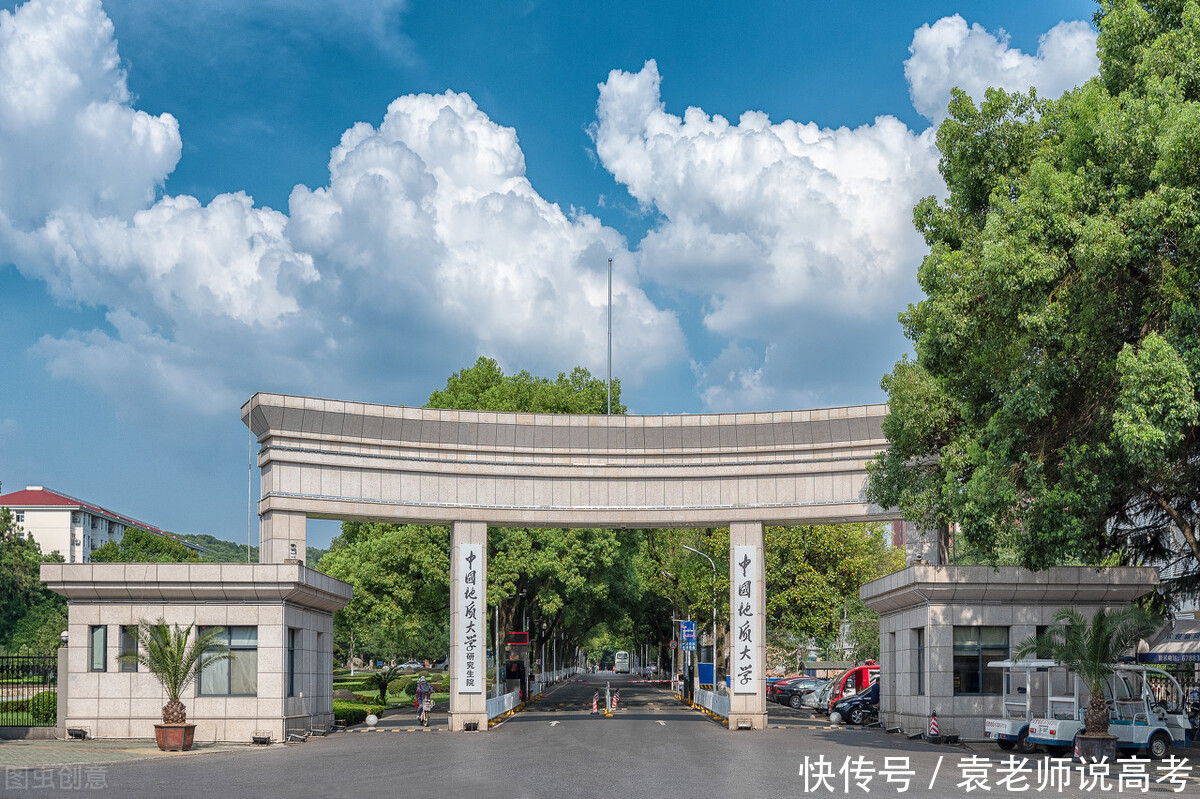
(792, 692)
(412, 665)
(818, 700)
(860, 708)
(773, 686)
(853, 681)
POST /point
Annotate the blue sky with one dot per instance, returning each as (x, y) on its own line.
(203, 200)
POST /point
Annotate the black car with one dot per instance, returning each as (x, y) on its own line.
(861, 707)
(791, 692)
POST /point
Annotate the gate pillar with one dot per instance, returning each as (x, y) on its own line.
(282, 536)
(468, 626)
(747, 627)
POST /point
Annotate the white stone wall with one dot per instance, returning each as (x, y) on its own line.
(51, 528)
(272, 598)
(116, 704)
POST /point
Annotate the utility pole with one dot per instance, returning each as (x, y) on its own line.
(609, 408)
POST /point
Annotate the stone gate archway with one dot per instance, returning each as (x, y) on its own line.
(344, 460)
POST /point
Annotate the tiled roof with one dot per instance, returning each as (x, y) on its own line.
(41, 497)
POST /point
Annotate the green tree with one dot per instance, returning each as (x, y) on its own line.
(142, 546)
(400, 575)
(218, 550)
(31, 616)
(485, 387)
(1052, 408)
(20, 573)
(1091, 650)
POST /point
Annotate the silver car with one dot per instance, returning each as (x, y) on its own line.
(818, 699)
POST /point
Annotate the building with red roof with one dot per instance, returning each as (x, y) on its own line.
(74, 528)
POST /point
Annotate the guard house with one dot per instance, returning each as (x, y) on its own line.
(940, 625)
(278, 620)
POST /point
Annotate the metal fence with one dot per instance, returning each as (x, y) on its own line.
(499, 705)
(28, 691)
(715, 702)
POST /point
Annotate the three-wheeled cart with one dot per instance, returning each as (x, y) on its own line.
(1026, 695)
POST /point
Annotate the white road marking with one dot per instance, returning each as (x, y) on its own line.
(663, 723)
(553, 723)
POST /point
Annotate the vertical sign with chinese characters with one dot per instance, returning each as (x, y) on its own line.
(472, 673)
(744, 670)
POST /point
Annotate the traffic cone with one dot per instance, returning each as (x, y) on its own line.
(934, 737)
(595, 703)
(1076, 756)
(616, 698)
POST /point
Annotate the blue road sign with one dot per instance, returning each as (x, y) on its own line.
(687, 636)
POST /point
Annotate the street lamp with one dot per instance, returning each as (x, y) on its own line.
(714, 610)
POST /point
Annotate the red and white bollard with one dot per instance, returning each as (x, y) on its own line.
(1076, 756)
(616, 698)
(934, 736)
(595, 703)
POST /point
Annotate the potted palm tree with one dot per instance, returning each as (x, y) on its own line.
(1091, 650)
(175, 662)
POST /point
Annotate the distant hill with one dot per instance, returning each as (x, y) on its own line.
(222, 551)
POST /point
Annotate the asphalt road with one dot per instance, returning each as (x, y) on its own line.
(652, 747)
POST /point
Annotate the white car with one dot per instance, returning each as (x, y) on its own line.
(412, 665)
(817, 700)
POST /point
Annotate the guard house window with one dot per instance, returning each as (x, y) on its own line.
(974, 648)
(291, 661)
(238, 675)
(97, 648)
(920, 631)
(129, 646)
(19, 516)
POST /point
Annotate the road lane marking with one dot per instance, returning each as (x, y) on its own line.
(662, 723)
(553, 723)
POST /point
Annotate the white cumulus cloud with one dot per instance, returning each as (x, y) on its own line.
(767, 222)
(428, 245)
(950, 54)
(68, 136)
(432, 212)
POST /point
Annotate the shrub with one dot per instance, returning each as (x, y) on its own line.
(355, 684)
(44, 707)
(354, 712)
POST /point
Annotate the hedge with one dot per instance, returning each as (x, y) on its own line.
(43, 707)
(354, 712)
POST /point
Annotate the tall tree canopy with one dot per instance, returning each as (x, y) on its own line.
(1052, 406)
(142, 546)
(31, 616)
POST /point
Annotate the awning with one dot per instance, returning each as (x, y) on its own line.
(1182, 645)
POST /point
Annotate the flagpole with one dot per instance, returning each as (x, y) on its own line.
(609, 409)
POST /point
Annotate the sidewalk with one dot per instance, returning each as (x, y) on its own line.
(35, 754)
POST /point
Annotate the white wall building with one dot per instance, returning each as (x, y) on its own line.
(70, 526)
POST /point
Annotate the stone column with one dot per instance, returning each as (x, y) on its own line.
(282, 536)
(468, 626)
(747, 627)
(931, 545)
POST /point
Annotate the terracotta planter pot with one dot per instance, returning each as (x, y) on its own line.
(174, 737)
(1094, 748)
